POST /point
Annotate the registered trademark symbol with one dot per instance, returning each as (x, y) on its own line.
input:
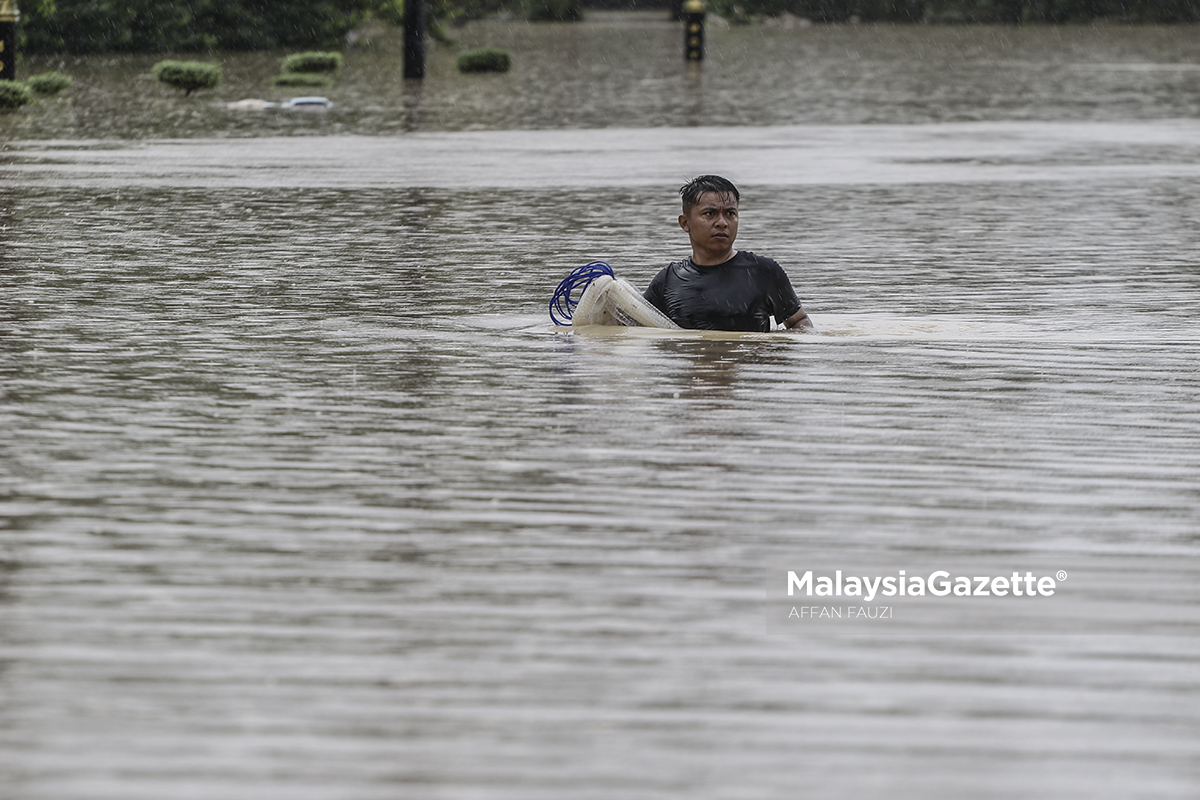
(1062, 576)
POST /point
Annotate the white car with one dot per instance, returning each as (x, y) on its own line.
(318, 103)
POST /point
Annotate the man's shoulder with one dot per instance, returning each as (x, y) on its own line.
(674, 268)
(760, 264)
(667, 270)
(747, 258)
(663, 277)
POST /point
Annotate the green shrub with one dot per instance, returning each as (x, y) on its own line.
(390, 11)
(484, 59)
(188, 75)
(301, 79)
(553, 11)
(14, 94)
(49, 83)
(437, 32)
(312, 62)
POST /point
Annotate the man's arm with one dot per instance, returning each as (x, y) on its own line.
(800, 320)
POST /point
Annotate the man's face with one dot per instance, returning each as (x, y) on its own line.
(712, 223)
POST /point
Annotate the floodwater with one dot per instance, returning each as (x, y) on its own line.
(305, 498)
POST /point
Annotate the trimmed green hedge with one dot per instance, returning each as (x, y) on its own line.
(188, 75)
(14, 94)
(301, 79)
(49, 83)
(311, 62)
(484, 59)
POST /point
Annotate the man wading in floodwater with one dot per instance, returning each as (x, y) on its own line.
(719, 288)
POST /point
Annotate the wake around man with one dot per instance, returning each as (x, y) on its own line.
(720, 288)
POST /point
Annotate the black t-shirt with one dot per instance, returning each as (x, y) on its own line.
(740, 295)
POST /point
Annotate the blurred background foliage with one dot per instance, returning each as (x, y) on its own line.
(990, 11)
(965, 11)
(98, 26)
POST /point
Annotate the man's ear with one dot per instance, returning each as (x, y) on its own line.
(683, 222)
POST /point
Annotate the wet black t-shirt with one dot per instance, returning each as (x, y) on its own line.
(740, 295)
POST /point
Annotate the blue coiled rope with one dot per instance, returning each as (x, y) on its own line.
(562, 305)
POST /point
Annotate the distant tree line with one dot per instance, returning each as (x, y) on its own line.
(98, 26)
(967, 11)
(148, 26)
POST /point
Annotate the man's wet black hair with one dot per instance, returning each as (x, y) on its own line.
(692, 190)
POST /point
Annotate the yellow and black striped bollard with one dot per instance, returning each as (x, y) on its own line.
(693, 30)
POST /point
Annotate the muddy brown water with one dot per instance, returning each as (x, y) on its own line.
(304, 497)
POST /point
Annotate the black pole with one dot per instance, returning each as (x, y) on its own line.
(414, 39)
(693, 30)
(10, 15)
